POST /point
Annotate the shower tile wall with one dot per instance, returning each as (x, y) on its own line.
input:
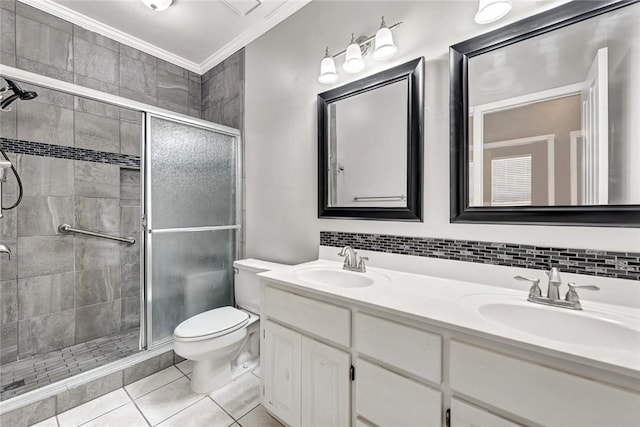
(223, 102)
(59, 290)
(44, 44)
(79, 287)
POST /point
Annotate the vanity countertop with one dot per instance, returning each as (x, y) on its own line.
(457, 305)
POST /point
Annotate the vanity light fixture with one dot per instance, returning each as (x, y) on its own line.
(328, 73)
(383, 49)
(491, 10)
(158, 5)
(353, 62)
(384, 46)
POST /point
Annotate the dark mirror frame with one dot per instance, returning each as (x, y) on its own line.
(459, 55)
(413, 72)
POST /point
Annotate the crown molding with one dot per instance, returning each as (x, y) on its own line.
(286, 9)
(108, 31)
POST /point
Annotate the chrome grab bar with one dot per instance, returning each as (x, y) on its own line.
(66, 228)
(358, 198)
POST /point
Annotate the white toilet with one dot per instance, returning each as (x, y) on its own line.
(224, 343)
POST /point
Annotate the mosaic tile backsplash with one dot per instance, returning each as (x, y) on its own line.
(70, 153)
(621, 265)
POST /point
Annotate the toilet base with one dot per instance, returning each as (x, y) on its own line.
(209, 375)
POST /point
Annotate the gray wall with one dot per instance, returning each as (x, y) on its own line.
(44, 44)
(69, 289)
(223, 92)
(223, 102)
(59, 290)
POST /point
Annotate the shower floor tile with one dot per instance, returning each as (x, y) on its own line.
(28, 374)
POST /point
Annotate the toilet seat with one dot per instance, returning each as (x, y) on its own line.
(211, 324)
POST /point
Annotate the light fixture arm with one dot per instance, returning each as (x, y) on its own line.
(364, 42)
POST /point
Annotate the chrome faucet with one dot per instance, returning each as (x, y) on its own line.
(352, 262)
(553, 290)
(571, 299)
(4, 249)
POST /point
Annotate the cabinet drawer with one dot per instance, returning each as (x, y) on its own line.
(465, 415)
(390, 400)
(319, 318)
(408, 348)
(537, 393)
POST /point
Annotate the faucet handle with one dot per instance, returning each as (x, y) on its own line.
(572, 295)
(535, 290)
(361, 267)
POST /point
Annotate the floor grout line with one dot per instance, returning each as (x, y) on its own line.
(151, 391)
(137, 408)
(184, 409)
(95, 418)
(223, 410)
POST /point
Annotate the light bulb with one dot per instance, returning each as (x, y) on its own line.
(492, 10)
(353, 62)
(328, 73)
(158, 5)
(384, 46)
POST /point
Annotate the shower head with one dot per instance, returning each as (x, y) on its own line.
(18, 93)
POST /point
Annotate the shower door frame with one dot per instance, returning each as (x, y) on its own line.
(148, 207)
(147, 110)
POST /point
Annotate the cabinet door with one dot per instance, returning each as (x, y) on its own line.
(281, 373)
(466, 415)
(391, 400)
(326, 385)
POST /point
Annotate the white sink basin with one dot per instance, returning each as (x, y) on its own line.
(337, 277)
(583, 328)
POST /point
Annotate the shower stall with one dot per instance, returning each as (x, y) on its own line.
(128, 224)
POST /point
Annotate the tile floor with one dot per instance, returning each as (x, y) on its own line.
(34, 372)
(165, 399)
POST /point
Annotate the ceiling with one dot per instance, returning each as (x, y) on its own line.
(194, 34)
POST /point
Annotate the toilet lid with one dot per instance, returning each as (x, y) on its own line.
(211, 322)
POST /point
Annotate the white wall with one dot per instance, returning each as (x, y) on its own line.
(281, 140)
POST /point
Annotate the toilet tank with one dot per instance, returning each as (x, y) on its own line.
(247, 285)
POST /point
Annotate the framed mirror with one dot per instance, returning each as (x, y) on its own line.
(370, 136)
(545, 119)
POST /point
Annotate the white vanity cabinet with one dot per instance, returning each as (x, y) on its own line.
(464, 414)
(538, 393)
(280, 371)
(388, 398)
(306, 382)
(411, 372)
(307, 372)
(326, 385)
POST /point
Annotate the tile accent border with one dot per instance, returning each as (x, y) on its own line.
(621, 265)
(70, 153)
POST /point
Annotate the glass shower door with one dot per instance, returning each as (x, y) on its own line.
(192, 222)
